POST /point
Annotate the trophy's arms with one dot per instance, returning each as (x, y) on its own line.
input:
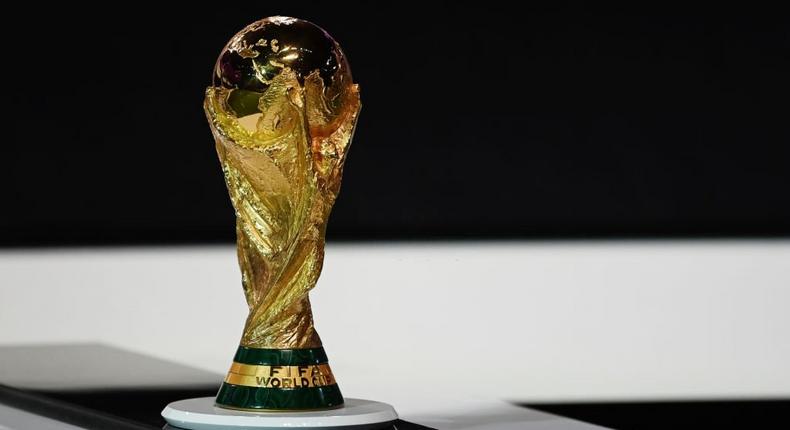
(283, 177)
(288, 311)
(332, 114)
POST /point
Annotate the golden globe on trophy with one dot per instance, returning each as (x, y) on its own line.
(282, 108)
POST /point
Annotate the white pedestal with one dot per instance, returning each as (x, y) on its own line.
(201, 414)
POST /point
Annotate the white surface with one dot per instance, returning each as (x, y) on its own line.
(526, 321)
(201, 414)
(498, 416)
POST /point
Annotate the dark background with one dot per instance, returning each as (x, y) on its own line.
(485, 121)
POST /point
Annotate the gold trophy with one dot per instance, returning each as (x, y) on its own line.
(282, 108)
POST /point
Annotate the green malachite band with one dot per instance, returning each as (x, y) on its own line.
(280, 357)
(241, 397)
(250, 397)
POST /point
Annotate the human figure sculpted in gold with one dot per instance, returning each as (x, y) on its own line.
(282, 108)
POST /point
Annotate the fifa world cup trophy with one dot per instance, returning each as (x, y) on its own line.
(282, 109)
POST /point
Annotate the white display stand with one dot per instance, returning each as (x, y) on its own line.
(201, 414)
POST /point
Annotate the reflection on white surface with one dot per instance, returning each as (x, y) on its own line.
(74, 367)
(426, 326)
(18, 419)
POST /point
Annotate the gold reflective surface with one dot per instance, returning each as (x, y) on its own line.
(250, 375)
(282, 132)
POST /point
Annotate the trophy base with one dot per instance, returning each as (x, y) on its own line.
(202, 414)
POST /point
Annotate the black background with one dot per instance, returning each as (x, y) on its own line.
(485, 121)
